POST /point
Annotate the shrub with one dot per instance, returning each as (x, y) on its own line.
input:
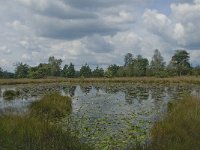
(10, 94)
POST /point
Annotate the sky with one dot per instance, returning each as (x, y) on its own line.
(97, 32)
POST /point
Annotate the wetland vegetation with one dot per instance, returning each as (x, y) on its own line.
(39, 129)
(98, 115)
(180, 129)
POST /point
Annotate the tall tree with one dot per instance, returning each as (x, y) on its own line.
(21, 70)
(128, 59)
(69, 71)
(112, 69)
(140, 66)
(55, 65)
(1, 72)
(85, 71)
(157, 64)
(41, 71)
(180, 62)
(98, 72)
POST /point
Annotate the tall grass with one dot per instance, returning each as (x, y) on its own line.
(51, 106)
(180, 129)
(185, 79)
(10, 94)
(39, 130)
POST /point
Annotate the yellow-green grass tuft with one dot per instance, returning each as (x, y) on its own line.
(51, 106)
(180, 129)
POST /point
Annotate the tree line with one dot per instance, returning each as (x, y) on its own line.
(137, 66)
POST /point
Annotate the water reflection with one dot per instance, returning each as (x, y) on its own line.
(114, 115)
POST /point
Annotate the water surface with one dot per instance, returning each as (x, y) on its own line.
(115, 116)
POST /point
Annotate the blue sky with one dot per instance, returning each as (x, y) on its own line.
(96, 31)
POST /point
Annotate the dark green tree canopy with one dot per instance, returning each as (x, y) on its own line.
(21, 70)
(85, 71)
(140, 66)
(69, 71)
(112, 69)
(180, 62)
(128, 59)
(55, 65)
(98, 72)
(157, 62)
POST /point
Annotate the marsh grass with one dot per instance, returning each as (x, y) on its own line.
(10, 94)
(39, 130)
(170, 80)
(180, 129)
(52, 107)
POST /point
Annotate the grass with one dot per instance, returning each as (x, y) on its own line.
(185, 79)
(10, 94)
(39, 130)
(51, 106)
(180, 129)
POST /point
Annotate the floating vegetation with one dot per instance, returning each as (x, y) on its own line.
(104, 116)
(36, 131)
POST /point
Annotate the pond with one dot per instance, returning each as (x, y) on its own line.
(114, 116)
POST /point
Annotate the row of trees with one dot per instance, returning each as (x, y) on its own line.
(133, 67)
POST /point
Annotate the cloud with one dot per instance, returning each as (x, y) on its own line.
(96, 31)
(98, 44)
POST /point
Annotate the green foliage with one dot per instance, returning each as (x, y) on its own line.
(40, 71)
(112, 69)
(133, 67)
(85, 71)
(140, 66)
(10, 94)
(6, 74)
(157, 65)
(128, 59)
(26, 133)
(180, 129)
(21, 70)
(180, 62)
(196, 71)
(69, 71)
(55, 66)
(98, 72)
(122, 72)
(39, 130)
(51, 106)
(108, 74)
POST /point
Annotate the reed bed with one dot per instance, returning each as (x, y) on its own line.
(180, 129)
(171, 80)
(39, 130)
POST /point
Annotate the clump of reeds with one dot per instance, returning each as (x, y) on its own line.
(51, 106)
(180, 129)
(39, 130)
(10, 94)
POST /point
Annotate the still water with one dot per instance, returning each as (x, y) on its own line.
(115, 116)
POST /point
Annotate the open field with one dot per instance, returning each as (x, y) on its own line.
(185, 79)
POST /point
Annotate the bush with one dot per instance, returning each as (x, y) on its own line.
(10, 94)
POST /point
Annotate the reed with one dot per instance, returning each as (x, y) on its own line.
(39, 129)
(184, 79)
(180, 129)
